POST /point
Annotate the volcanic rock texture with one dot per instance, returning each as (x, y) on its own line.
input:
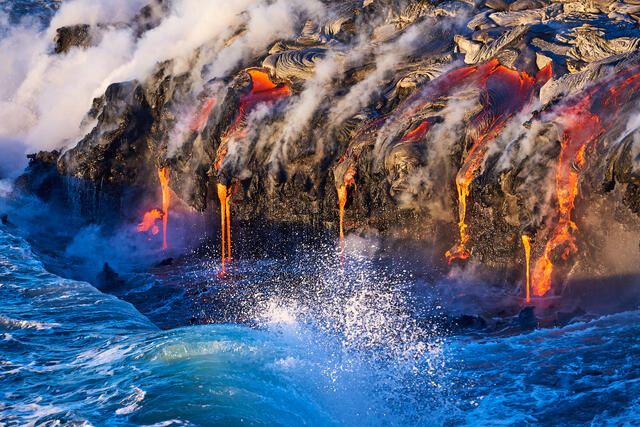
(465, 124)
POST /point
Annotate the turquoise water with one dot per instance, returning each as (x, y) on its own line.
(71, 354)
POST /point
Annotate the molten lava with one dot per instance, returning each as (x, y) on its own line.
(150, 217)
(149, 221)
(342, 201)
(225, 223)
(582, 121)
(262, 92)
(505, 93)
(200, 119)
(527, 256)
(418, 133)
(163, 174)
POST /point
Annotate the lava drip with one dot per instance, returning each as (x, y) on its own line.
(342, 201)
(526, 242)
(262, 92)
(505, 92)
(225, 223)
(582, 122)
(163, 174)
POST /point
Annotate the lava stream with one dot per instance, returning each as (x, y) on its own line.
(149, 219)
(342, 201)
(505, 92)
(202, 116)
(526, 242)
(582, 123)
(163, 174)
(225, 223)
(263, 92)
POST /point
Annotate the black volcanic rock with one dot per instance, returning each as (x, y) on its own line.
(73, 36)
(115, 150)
(527, 318)
(402, 165)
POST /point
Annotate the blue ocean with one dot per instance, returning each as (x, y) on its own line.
(73, 355)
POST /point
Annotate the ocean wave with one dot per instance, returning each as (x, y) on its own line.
(10, 323)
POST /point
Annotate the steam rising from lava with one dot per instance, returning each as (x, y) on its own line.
(506, 93)
(582, 120)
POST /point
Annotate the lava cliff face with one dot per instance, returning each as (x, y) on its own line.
(464, 124)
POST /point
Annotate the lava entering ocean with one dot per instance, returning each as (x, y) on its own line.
(526, 242)
(225, 223)
(262, 92)
(342, 201)
(505, 93)
(149, 219)
(582, 121)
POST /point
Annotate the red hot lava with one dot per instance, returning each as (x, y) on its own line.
(149, 219)
(505, 93)
(342, 201)
(225, 223)
(582, 121)
(262, 92)
(198, 122)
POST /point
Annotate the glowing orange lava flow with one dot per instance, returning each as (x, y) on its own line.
(150, 217)
(418, 133)
(505, 93)
(342, 200)
(582, 122)
(263, 92)
(149, 221)
(225, 223)
(527, 256)
(163, 174)
(202, 116)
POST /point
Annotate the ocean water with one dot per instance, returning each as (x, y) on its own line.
(72, 355)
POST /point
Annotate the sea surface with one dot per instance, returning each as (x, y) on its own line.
(285, 341)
